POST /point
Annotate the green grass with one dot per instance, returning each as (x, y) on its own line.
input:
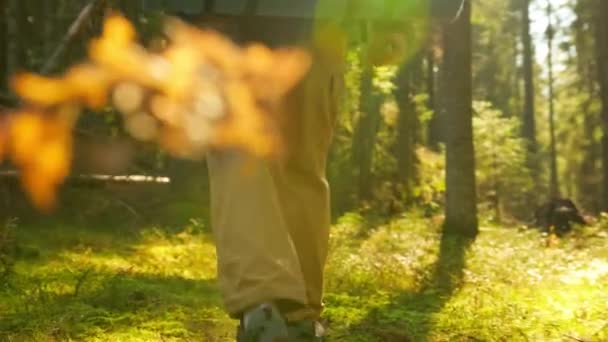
(390, 282)
(117, 285)
(505, 286)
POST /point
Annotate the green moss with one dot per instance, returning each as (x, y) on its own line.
(392, 282)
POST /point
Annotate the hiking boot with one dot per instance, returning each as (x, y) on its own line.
(305, 331)
(262, 324)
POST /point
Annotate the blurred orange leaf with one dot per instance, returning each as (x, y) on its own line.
(201, 92)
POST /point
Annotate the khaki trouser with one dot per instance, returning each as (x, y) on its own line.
(271, 221)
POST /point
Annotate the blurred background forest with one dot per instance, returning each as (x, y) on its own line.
(537, 117)
(534, 106)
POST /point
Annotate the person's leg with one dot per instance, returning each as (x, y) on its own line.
(300, 177)
(271, 219)
(257, 262)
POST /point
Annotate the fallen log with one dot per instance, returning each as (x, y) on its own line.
(100, 178)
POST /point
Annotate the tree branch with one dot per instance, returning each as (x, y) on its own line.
(93, 178)
(74, 29)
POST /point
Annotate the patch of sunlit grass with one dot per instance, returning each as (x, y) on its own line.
(383, 284)
(104, 285)
(390, 255)
(511, 286)
(184, 256)
(514, 288)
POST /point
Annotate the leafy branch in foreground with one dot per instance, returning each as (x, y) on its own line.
(201, 92)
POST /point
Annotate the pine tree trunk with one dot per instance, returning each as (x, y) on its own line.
(365, 134)
(3, 46)
(461, 197)
(588, 192)
(602, 62)
(554, 182)
(12, 36)
(48, 20)
(407, 128)
(433, 130)
(529, 121)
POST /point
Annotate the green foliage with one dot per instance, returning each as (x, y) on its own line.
(508, 287)
(388, 189)
(383, 79)
(427, 194)
(393, 281)
(340, 164)
(430, 191)
(496, 74)
(390, 282)
(503, 178)
(578, 107)
(114, 284)
(342, 169)
(424, 113)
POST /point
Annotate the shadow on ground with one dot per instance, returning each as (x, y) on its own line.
(409, 316)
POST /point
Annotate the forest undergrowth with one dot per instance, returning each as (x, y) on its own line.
(395, 281)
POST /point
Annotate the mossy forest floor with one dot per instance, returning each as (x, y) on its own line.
(395, 281)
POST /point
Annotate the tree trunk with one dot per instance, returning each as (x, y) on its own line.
(602, 63)
(554, 182)
(3, 46)
(48, 21)
(433, 131)
(461, 197)
(529, 121)
(365, 134)
(407, 128)
(588, 192)
(12, 36)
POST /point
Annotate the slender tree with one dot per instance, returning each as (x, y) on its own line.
(602, 62)
(12, 36)
(550, 33)
(47, 21)
(461, 197)
(584, 64)
(529, 121)
(365, 133)
(407, 126)
(3, 45)
(433, 130)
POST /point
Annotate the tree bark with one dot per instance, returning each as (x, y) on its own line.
(554, 181)
(529, 121)
(48, 21)
(12, 36)
(365, 134)
(602, 63)
(433, 130)
(3, 45)
(588, 177)
(407, 128)
(461, 196)
(69, 37)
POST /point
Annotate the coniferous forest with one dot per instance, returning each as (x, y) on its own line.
(468, 171)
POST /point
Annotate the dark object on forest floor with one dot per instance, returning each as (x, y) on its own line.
(558, 214)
